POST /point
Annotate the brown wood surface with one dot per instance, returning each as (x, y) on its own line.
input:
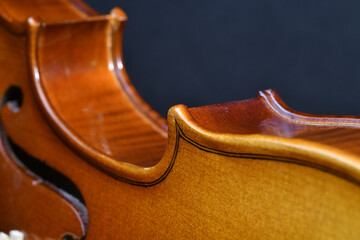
(252, 169)
(30, 204)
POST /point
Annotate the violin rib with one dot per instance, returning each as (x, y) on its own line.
(108, 120)
(248, 170)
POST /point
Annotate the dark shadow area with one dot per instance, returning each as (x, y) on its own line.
(13, 98)
(44, 172)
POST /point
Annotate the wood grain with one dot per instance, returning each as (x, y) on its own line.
(252, 169)
(31, 205)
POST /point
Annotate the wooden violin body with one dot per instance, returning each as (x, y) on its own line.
(251, 169)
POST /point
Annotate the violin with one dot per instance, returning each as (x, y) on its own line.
(82, 156)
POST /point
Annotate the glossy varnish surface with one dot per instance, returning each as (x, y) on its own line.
(248, 170)
(105, 115)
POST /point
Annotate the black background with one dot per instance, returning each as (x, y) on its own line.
(205, 52)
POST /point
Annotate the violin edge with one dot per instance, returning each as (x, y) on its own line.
(277, 148)
(179, 116)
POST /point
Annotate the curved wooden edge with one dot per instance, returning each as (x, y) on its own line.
(118, 16)
(277, 105)
(291, 150)
(126, 172)
(182, 125)
(117, 19)
(37, 191)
